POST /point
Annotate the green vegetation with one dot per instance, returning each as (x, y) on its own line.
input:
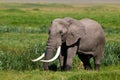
(111, 73)
(23, 36)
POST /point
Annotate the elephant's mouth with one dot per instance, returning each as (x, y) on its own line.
(43, 55)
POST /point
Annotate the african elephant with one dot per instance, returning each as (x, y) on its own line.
(69, 36)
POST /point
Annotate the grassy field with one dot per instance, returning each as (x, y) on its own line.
(108, 73)
(23, 36)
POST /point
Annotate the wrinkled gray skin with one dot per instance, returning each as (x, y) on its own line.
(82, 37)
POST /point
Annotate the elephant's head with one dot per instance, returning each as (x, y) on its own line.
(66, 30)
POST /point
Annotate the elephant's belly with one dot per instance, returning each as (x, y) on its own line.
(86, 52)
(87, 47)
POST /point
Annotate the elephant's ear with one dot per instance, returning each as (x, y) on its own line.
(75, 32)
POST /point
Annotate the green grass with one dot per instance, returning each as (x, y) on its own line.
(37, 16)
(107, 73)
(19, 41)
(23, 36)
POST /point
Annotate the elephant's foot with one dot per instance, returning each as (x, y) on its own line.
(66, 68)
(53, 67)
(62, 68)
(97, 67)
(87, 67)
(46, 67)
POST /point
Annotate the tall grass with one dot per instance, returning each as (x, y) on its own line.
(111, 56)
(14, 61)
(23, 61)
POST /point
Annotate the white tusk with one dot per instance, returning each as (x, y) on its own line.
(55, 57)
(39, 58)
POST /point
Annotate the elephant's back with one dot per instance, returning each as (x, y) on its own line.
(92, 27)
(94, 35)
(90, 24)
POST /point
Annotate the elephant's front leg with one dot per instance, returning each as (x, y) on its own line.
(71, 51)
(63, 56)
(61, 60)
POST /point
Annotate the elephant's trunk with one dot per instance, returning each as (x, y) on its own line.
(48, 56)
(52, 45)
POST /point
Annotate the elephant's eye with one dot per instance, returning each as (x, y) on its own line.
(51, 22)
(49, 32)
(60, 32)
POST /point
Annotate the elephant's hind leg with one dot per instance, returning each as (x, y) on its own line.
(97, 58)
(97, 61)
(86, 60)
